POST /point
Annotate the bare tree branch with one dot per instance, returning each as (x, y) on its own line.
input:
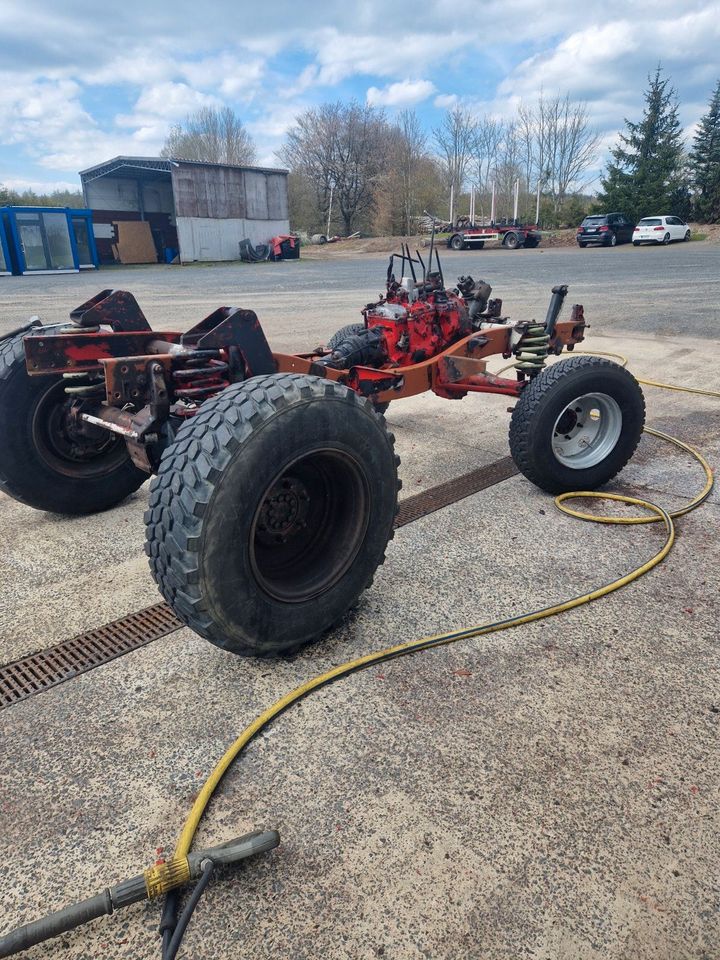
(455, 138)
(211, 136)
(341, 148)
(559, 145)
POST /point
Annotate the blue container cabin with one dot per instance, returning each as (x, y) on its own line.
(50, 239)
(5, 264)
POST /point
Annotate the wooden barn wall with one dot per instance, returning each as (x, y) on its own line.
(277, 196)
(224, 193)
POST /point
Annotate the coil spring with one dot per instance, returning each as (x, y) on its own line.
(201, 377)
(533, 350)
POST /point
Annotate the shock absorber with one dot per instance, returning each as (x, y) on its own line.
(532, 350)
(201, 376)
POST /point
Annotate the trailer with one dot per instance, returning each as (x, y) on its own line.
(510, 235)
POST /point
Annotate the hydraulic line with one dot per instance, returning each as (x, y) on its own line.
(652, 383)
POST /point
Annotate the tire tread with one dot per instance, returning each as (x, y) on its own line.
(526, 411)
(191, 467)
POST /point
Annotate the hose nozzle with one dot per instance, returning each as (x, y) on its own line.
(154, 882)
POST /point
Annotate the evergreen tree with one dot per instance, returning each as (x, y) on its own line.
(705, 163)
(647, 176)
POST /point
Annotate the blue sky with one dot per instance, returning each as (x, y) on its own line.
(83, 82)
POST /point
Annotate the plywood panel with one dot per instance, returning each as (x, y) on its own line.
(135, 242)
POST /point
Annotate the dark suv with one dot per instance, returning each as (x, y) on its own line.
(607, 229)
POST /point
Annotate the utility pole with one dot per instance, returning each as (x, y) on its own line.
(327, 232)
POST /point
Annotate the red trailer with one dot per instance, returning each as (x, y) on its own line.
(510, 235)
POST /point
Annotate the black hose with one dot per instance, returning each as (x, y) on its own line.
(172, 936)
(168, 920)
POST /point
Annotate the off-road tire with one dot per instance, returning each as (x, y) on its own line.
(511, 241)
(40, 478)
(544, 399)
(457, 242)
(209, 498)
(352, 330)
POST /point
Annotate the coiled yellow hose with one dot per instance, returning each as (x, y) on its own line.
(656, 514)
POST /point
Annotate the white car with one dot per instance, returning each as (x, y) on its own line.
(660, 230)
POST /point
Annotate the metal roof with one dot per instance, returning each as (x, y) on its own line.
(157, 168)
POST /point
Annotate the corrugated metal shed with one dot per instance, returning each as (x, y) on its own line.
(207, 208)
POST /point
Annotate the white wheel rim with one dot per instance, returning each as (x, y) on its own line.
(587, 431)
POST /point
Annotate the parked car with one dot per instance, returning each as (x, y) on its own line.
(660, 230)
(606, 229)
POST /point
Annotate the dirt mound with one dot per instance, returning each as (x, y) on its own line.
(558, 238)
(358, 246)
(708, 231)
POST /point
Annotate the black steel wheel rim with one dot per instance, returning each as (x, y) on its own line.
(66, 450)
(309, 525)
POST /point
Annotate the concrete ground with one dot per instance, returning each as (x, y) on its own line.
(547, 792)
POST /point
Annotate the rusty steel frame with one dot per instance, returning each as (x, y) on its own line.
(126, 356)
(458, 370)
(149, 375)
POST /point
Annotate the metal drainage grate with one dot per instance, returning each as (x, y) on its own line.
(40, 671)
(47, 668)
(444, 494)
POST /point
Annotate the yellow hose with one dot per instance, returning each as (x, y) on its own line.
(656, 514)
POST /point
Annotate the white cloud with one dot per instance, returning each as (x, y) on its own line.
(172, 101)
(289, 56)
(405, 93)
(43, 108)
(40, 186)
(234, 75)
(584, 60)
(446, 101)
(276, 121)
(341, 55)
(609, 61)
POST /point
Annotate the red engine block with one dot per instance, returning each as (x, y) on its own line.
(416, 331)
